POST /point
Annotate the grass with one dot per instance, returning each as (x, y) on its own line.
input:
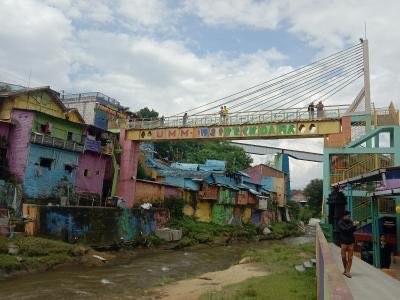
(36, 253)
(284, 283)
(195, 232)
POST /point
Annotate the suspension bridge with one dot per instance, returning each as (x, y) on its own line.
(277, 108)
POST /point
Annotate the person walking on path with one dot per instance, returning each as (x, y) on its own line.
(346, 230)
(184, 119)
(320, 110)
(310, 110)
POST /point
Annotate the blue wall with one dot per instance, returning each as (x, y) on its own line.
(40, 182)
(101, 119)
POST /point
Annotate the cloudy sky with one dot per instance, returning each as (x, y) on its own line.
(171, 55)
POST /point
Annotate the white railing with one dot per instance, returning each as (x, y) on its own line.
(241, 118)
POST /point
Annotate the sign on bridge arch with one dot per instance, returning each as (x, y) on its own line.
(271, 130)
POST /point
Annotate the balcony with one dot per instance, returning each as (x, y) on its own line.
(95, 146)
(47, 140)
(92, 145)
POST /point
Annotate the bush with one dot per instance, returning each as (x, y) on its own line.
(305, 215)
(175, 207)
(281, 230)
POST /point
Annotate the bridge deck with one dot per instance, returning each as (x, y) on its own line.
(368, 283)
(249, 125)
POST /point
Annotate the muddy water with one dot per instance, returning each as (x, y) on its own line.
(125, 281)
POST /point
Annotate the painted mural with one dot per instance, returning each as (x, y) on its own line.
(94, 225)
(236, 132)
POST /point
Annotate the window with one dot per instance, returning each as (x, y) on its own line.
(68, 168)
(46, 162)
(70, 136)
(97, 172)
(86, 173)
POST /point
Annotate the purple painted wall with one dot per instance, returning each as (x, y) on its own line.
(4, 129)
(96, 166)
(19, 142)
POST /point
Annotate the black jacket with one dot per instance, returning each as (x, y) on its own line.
(346, 229)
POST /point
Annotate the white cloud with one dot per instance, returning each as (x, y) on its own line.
(33, 41)
(256, 14)
(144, 12)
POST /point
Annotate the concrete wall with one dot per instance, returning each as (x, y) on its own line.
(92, 180)
(85, 108)
(19, 142)
(40, 182)
(93, 225)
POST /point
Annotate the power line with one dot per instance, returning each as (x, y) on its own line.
(353, 48)
(336, 59)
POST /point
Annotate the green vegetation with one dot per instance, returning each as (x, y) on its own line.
(284, 283)
(313, 192)
(36, 253)
(281, 230)
(195, 232)
(198, 152)
(299, 213)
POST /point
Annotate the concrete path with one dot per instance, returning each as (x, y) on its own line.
(368, 283)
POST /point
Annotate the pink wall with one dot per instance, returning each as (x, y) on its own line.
(128, 169)
(172, 192)
(19, 142)
(96, 165)
(255, 174)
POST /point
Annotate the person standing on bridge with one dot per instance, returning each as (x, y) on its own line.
(320, 110)
(184, 119)
(221, 115)
(346, 230)
(225, 113)
(311, 111)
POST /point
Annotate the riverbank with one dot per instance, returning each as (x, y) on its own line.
(266, 273)
(26, 254)
(36, 254)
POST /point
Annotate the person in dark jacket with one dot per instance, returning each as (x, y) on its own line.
(346, 229)
(386, 253)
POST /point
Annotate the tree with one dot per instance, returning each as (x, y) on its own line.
(146, 113)
(313, 192)
(198, 152)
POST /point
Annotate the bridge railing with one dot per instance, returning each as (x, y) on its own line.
(240, 118)
(330, 282)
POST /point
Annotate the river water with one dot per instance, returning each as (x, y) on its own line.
(148, 268)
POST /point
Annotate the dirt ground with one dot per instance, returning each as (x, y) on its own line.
(193, 288)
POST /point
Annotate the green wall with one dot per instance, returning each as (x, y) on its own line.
(60, 128)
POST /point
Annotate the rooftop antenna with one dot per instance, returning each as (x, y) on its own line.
(29, 78)
(365, 30)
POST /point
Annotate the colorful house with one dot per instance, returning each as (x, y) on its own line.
(50, 149)
(273, 180)
(98, 109)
